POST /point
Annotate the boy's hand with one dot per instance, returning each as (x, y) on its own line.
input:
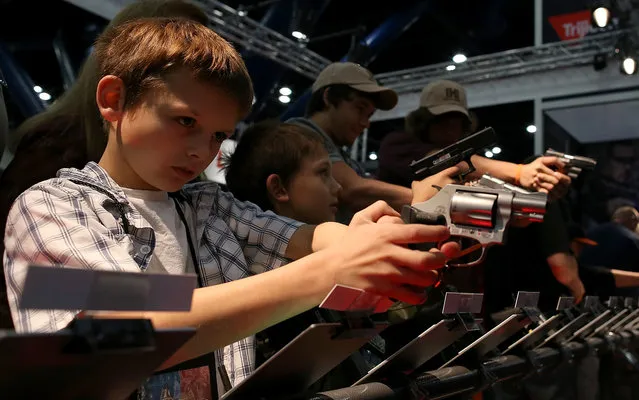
(382, 213)
(539, 175)
(378, 212)
(374, 257)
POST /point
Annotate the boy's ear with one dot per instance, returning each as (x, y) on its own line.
(276, 189)
(110, 98)
(325, 97)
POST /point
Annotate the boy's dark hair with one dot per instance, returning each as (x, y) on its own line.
(265, 148)
(336, 94)
(143, 51)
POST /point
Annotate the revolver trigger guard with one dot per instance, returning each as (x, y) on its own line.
(465, 252)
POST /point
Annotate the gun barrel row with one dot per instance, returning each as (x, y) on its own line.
(456, 380)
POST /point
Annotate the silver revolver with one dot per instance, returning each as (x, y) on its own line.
(481, 212)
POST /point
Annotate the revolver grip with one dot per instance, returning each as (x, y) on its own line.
(411, 215)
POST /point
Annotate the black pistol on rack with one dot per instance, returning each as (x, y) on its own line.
(452, 155)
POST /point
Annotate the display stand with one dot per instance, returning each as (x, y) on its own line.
(91, 358)
(458, 309)
(308, 357)
(536, 336)
(515, 320)
(575, 318)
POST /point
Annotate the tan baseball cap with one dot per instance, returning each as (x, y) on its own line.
(441, 97)
(358, 78)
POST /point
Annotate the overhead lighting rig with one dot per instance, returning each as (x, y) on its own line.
(611, 15)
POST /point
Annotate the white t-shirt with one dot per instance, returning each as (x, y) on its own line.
(171, 254)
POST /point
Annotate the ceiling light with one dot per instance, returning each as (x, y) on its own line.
(601, 16)
(488, 154)
(531, 129)
(450, 68)
(284, 91)
(284, 99)
(44, 96)
(496, 150)
(459, 58)
(372, 156)
(629, 66)
(298, 35)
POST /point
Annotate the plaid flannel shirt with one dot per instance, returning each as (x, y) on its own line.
(83, 219)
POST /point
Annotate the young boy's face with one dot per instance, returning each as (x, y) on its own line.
(173, 133)
(313, 192)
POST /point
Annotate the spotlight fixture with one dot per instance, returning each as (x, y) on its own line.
(628, 65)
(285, 91)
(626, 50)
(459, 58)
(299, 35)
(601, 16)
(600, 62)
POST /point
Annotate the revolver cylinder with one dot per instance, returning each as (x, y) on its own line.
(473, 209)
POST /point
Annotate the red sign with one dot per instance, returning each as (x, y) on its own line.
(571, 26)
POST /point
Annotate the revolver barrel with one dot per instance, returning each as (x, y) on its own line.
(530, 207)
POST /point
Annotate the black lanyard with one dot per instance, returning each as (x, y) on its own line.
(207, 360)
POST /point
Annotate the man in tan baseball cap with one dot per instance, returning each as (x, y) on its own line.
(442, 119)
(344, 97)
(359, 78)
(441, 97)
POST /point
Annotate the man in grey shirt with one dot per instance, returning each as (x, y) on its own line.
(344, 97)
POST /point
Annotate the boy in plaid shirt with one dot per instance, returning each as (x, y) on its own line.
(171, 91)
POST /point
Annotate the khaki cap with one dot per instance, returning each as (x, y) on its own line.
(441, 97)
(358, 78)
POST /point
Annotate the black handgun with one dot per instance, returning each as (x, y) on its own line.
(574, 164)
(454, 154)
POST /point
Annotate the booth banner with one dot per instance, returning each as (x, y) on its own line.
(568, 20)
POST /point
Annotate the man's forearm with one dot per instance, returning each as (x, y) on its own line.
(565, 268)
(367, 191)
(625, 279)
(503, 170)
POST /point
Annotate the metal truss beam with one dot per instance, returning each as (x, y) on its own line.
(239, 29)
(553, 70)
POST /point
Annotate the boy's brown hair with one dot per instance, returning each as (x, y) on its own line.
(265, 148)
(143, 51)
